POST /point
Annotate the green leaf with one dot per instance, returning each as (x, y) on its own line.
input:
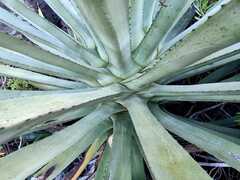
(26, 28)
(45, 40)
(120, 167)
(138, 170)
(136, 11)
(36, 66)
(65, 12)
(221, 72)
(148, 13)
(52, 146)
(227, 92)
(229, 122)
(181, 25)
(110, 24)
(219, 58)
(102, 172)
(224, 130)
(27, 112)
(171, 11)
(215, 9)
(165, 158)
(91, 152)
(65, 116)
(22, 26)
(45, 121)
(14, 111)
(81, 54)
(73, 8)
(219, 145)
(39, 78)
(9, 94)
(233, 78)
(44, 86)
(60, 162)
(220, 31)
(11, 48)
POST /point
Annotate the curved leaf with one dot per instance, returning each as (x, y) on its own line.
(39, 78)
(59, 163)
(120, 167)
(18, 48)
(148, 13)
(166, 159)
(218, 32)
(211, 141)
(90, 153)
(82, 54)
(110, 24)
(219, 58)
(136, 8)
(138, 169)
(65, 12)
(103, 167)
(51, 146)
(27, 112)
(171, 11)
(227, 91)
(222, 72)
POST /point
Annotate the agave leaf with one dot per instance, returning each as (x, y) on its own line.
(136, 8)
(219, 58)
(20, 49)
(102, 172)
(60, 162)
(44, 86)
(24, 27)
(215, 9)
(110, 24)
(32, 110)
(39, 78)
(82, 54)
(65, 116)
(213, 142)
(171, 11)
(148, 13)
(181, 25)
(166, 159)
(227, 91)
(138, 171)
(224, 130)
(229, 122)
(220, 31)
(63, 10)
(10, 94)
(51, 146)
(221, 72)
(44, 122)
(225, 53)
(233, 78)
(36, 66)
(66, 53)
(29, 63)
(73, 8)
(120, 167)
(91, 152)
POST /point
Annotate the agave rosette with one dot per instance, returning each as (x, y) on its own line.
(110, 71)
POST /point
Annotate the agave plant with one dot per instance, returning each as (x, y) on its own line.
(112, 72)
